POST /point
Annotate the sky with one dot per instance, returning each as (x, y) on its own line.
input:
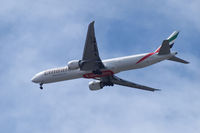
(42, 34)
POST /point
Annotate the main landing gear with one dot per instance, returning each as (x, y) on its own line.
(41, 86)
(98, 72)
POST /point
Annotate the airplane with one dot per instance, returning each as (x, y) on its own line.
(103, 71)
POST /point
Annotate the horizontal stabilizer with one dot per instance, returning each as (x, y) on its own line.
(174, 58)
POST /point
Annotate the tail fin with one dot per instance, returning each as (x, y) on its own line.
(166, 47)
(172, 38)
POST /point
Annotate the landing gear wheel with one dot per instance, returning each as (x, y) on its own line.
(98, 72)
(41, 86)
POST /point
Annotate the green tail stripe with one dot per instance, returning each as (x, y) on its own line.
(173, 38)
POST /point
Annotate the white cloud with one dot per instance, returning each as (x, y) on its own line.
(42, 28)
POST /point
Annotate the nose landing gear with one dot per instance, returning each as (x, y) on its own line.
(41, 86)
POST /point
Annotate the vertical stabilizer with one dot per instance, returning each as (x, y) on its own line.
(165, 48)
(172, 38)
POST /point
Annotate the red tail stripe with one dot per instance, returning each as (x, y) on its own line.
(157, 50)
(146, 56)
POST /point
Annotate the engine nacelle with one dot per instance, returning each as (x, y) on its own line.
(74, 64)
(95, 85)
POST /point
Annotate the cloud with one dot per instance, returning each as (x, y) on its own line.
(37, 35)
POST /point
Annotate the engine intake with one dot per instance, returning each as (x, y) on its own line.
(95, 85)
(74, 64)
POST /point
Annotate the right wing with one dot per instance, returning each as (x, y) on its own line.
(118, 81)
(91, 59)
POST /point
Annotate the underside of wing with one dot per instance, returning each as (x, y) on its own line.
(91, 59)
(90, 49)
(119, 81)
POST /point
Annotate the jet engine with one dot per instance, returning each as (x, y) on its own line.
(74, 64)
(95, 85)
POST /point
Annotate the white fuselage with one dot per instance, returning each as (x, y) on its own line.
(114, 65)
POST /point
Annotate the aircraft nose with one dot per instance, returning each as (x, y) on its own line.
(33, 79)
(36, 78)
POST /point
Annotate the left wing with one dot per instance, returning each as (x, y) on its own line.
(111, 80)
(91, 59)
